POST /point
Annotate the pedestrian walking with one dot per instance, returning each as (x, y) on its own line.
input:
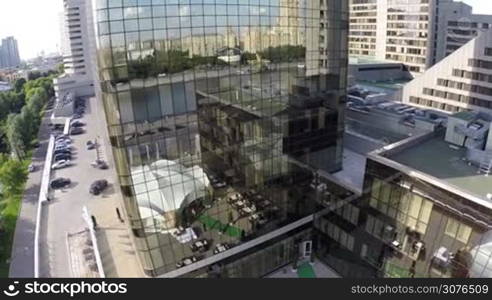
(94, 222)
(119, 215)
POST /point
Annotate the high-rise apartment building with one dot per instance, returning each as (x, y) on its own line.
(461, 81)
(460, 32)
(9, 53)
(418, 33)
(393, 30)
(217, 130)
(78, 45)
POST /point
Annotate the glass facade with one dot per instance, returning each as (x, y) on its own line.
(219, 113)
(404, 227)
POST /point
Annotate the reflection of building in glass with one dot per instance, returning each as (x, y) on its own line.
(215, 138)
(426, 208)
(284, 30)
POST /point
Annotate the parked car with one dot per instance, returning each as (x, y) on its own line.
(62, 151)
(57, 126)
(200, 246)
(63, 139)
(60, 183)
(186, 261)
(61, 164)
(90, 145)
(219, 248)
(77, 123)
(76, 131)
(62, 156)
(62, 145)
(31, 168)
(62, 148)
(77, 116)
(98, 187)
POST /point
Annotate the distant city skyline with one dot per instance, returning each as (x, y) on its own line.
(37, 32)
(33, 23)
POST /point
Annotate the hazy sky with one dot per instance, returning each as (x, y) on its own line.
(35, 25)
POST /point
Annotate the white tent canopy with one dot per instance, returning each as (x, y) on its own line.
(166, 186)
(482, 258)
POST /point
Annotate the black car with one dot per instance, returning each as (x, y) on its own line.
(77, 124)
(98, 186)
(60, 183)
(90, 145)
(62, 151)
(63, 156)
(76, 130)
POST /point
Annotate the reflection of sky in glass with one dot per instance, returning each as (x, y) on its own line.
(200, 14)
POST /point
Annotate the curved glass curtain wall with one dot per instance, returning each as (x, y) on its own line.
(206, 99)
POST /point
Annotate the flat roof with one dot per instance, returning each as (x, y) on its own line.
(439, 159)
(382, 85)
(465, 115)
(368, 60)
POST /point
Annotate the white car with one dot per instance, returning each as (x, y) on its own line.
(64, 141)
(61, 164)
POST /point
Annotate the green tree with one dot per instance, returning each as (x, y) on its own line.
(12, 176)
(19, 85)
(61, 68)
(14, 132)
(33, 75)
(29, 120)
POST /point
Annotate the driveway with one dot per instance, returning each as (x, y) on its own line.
(63, 214)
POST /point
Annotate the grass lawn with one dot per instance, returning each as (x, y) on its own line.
(9, 215)
(306, 271)
(213, 224)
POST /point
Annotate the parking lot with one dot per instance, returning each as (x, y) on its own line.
(63, 213)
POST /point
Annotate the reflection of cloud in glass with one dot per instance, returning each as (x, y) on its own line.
(254, 10)
(132, 12)
(184, 11)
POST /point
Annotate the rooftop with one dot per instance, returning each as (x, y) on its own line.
(367, 60)
(382, 85)
(447, 163)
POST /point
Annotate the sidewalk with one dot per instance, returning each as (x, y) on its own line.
(22, 263)
(115, 245)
